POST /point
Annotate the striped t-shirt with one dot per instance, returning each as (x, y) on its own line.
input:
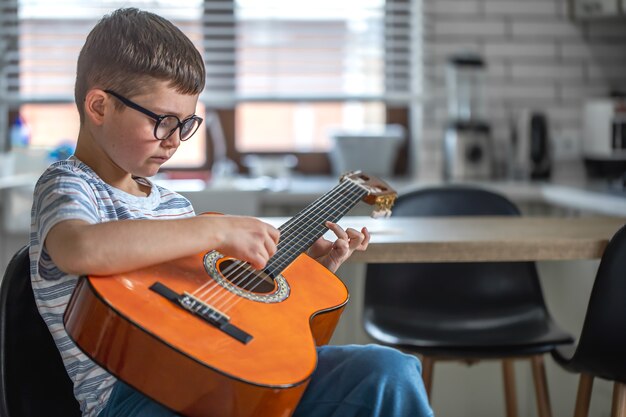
(71, 190)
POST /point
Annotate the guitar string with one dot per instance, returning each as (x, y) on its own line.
(308, 237)
(252, 272)
(289, 254)
(303, 240)
(242, 267)
(320, 226)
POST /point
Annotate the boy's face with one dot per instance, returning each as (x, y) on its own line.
(128, 135)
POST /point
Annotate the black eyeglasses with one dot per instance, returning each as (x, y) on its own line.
(166, 124)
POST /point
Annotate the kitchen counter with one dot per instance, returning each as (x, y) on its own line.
(298, 192)
(267, 197)
(20, 180)
(482, 238)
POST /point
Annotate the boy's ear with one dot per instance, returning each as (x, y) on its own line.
(96, 101)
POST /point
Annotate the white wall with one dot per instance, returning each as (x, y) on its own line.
(537, 58)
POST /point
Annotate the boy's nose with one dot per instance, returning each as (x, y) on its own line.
(173, 140)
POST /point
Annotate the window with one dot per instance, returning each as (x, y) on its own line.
(281, 74)
(300, 126)
(295, 71)
(43, 40)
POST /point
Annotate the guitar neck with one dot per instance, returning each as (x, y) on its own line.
(299, 233)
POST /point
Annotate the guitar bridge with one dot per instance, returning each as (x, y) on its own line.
(202, 310)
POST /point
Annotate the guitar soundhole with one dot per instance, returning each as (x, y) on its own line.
(245, 277)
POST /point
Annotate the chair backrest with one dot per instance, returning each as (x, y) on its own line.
(33, 380)
(461, 290)
(602, 346)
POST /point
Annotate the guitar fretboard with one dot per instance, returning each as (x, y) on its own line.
(299, 233)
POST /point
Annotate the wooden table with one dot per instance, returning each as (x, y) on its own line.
(466, 239)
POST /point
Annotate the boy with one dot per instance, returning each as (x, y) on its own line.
(137, 85)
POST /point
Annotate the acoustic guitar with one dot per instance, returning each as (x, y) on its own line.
(209, 336)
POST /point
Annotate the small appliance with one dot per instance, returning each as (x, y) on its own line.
(541, 164)
(467, 146)
(467, 150)
(604, 136)
(532, 146)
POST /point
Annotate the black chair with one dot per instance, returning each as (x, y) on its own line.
(601, 349)
(463, 311)
(33, 380)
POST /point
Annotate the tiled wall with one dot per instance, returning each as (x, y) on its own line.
(538, 58)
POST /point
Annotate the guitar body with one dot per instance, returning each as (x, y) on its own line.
(191, 366)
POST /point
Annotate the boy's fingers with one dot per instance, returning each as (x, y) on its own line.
(355, 234)
(322, 245)
(366, 239)
(258, 261)
(274, 233)
(270, 247)
(337, 230)
(269, 230)
(342, 246)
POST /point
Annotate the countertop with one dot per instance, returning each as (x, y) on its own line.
(19, 180)
(483, 238)
(589, 196)
(243, 195)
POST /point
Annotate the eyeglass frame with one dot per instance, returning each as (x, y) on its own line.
(158, 118)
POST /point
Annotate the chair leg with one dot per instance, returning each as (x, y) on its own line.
(541, 386)
(508, 372)
(583, 397)
(428, 364)
(619, 400)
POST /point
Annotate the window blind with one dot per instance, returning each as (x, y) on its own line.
(332, 49)
(254, 50)
(40, 41)
(43, 40)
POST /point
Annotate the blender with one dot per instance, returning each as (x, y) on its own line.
(468, 152)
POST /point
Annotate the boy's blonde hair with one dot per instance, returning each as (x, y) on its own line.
(130, 48)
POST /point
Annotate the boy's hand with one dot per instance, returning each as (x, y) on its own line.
(333, 254)
(247, 239)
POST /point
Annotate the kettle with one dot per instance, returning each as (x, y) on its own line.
(540, 158)
(533, 159)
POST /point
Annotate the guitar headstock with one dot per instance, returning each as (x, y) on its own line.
(379, 193)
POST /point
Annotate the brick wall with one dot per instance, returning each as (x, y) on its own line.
(537, 57)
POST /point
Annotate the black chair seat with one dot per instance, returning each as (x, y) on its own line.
(33, 380)
(464, 311)
(601, 349)
(609, 366)
(479, 308)
(484, 334)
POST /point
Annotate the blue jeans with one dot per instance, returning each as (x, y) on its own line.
(350, 381)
